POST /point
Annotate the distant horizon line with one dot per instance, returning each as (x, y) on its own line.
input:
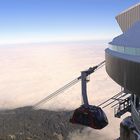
(54, 42)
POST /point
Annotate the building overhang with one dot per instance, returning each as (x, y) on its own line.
(128, 17)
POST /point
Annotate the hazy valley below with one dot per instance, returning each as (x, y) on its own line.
(30, 72)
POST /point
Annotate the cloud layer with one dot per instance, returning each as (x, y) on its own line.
(29, 73)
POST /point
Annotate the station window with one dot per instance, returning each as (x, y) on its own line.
(125, 50)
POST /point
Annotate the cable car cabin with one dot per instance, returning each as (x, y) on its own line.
(91, 116)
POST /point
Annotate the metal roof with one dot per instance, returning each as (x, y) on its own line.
(128, 17)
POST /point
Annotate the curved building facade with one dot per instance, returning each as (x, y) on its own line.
(123, 64)
(123, 54)
(124, 71)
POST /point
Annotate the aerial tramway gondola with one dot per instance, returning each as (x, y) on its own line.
(91, 116)
(87, 115)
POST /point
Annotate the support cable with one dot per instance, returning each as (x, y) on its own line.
(70, 84)
(57, 92)
(115, 96)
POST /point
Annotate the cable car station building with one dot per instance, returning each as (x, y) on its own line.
(123, 66)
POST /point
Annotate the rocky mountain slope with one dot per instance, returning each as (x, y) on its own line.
(28, 124)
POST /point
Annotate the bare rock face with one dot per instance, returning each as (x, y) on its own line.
(28, 124)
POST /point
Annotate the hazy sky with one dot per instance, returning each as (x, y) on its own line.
(58, 20)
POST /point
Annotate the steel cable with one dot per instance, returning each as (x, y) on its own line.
(62, 89)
